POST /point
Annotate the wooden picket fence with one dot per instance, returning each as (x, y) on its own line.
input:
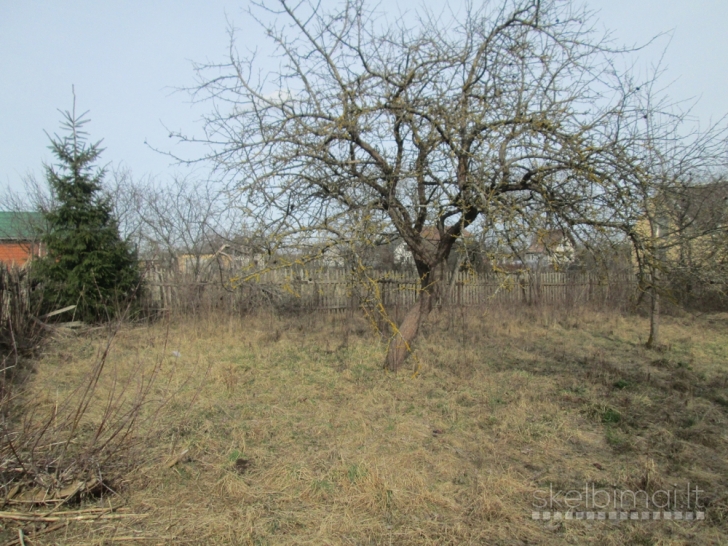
(330, 289)
(20, 331)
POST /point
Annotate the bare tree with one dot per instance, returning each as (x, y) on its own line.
(184, 216)
(511, 114)
(698, 267)
(671, 171)
(34, 197)
(127, 196)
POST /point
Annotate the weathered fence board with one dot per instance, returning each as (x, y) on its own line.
(338, 289)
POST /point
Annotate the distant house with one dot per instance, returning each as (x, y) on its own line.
(549, 249)
(20, 237)
(402, 256)
(691, 224)
(690, 229)
(701, 210)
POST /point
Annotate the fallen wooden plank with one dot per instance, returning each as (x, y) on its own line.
(17, 516)
(58, 312)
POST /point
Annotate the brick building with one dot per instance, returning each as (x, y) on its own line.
(20, 237)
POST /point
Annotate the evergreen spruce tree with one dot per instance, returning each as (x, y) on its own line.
(87, 263)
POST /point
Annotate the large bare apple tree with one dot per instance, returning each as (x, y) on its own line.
(505, 114)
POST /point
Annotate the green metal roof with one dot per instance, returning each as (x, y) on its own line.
(21, 226)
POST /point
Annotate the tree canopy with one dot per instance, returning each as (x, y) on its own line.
(514, 115)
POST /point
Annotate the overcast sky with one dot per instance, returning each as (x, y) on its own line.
(125, 57)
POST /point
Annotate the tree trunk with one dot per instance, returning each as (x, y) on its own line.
(400, 346)
(654, 340)
(659, 255)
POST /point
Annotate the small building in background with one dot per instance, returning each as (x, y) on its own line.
(20, 234)
(550, 249)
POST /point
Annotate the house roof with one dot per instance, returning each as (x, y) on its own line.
(20, 226)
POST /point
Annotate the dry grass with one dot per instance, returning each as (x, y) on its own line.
(295, 435)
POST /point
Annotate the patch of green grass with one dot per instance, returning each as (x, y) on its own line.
(616, 438)
(355, 472)
(688, 422)
(322, 486)
(604, 414)
(576, 389)
(611, 416)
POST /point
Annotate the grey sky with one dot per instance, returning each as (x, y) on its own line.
(124, 58)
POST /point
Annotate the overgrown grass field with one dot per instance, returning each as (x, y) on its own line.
(267, 430)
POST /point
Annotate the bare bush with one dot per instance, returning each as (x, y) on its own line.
(60, 453)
